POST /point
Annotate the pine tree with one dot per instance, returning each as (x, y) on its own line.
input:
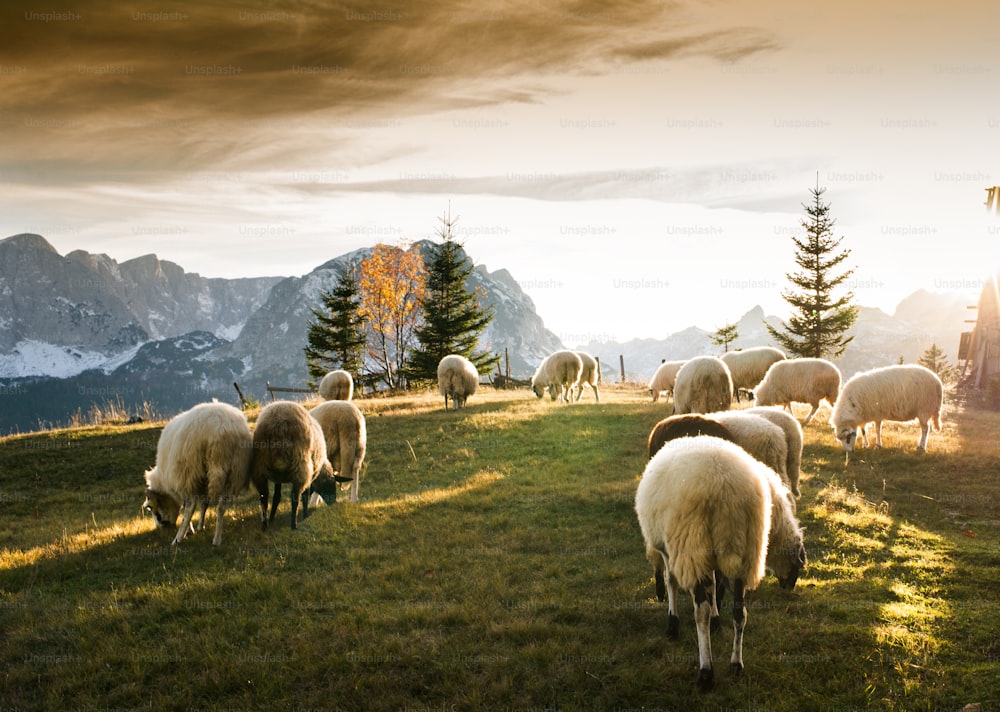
(725, 336)
(453, 318)
(337, 338)
(934, 359)
(820, 323)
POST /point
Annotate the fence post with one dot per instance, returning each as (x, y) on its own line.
(243, 401)
(621, 364)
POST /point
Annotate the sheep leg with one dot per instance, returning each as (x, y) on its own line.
(261, 488)
(673, 621)
(597, 394)
(274, 502)
(812, 413)
(878, 433)
(182, 531)
(220, 509)
(739, 622)
(703, 595)
(296, 497)
(925, 428)
(204, 511)
(720, 595)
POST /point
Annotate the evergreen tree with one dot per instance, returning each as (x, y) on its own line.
(817, 328)
(337, 338)
(725, 336)
(453, 318)
(934, 359)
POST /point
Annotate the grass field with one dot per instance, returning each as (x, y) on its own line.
(494, 562)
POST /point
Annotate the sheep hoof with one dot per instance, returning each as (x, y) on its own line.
(706, 679)
(673, 627)
(736, 669)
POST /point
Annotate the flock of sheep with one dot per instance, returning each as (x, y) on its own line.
(716, 502)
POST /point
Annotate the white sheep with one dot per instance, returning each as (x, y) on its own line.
(664, 378)
(458, 378)
(703, 385)
(337, 385)
(793, 440)
(758, 436)
(288, 446)
(203, 456)
(799, 380)
(705, 508)
(558, 373)
(748, 366)
(346, 437)
(589, 375)
(900, 393)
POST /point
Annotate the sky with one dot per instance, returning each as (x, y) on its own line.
(639, 167)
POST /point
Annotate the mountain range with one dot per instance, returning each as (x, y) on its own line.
(82, 329)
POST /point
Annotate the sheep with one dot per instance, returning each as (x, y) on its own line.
(900, 393)
(799, 380)
(590, 375)
(458, 378)
(793, 441)
(683, 426)
(703, 385)
(288, 446)
(761, 438)
(664, 378)
(705, 508)
(203, 455)
(346, 438)
(337, 385)
(748, 366)
(559, 373)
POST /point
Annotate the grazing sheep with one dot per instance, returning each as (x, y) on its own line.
(346, 437)
(758, 436)
(458, 378)
(748, 366)
(899, 393)
(685, 426)
(203, 456)
(664, 378)
(705, 508)
(288, 446)
(793, 440)
(589, 375)
(799, 380)
(337, 385)
(703, 385)
(559, 373)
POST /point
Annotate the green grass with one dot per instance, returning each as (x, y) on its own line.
(494, 562)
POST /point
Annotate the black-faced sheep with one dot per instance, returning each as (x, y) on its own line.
(899, 393)
(793, 440)
(458, 379)
(748, 366)
(799, 380)
(664, 378)
(337, 385)
(288, 446)
(589, 375)
(346, 436)
(705, 506)
(558, 373)
(202, 457)
(703, 385)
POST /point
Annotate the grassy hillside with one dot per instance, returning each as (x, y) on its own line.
(494, 562)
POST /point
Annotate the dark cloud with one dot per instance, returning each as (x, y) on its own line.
(95, 89)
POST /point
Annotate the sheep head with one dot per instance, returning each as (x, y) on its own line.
(163, 507)
(787, 563)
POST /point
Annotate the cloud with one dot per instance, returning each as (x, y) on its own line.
(107, 89)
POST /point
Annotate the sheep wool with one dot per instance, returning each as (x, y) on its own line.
(346, 436)
(288, 446)
(793, 441)
(703, 385)
(203, 456)
(799, 380)
(458, 379)
(748, 366)
(899, 393)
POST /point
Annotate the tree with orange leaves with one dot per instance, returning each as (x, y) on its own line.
(391, 286)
